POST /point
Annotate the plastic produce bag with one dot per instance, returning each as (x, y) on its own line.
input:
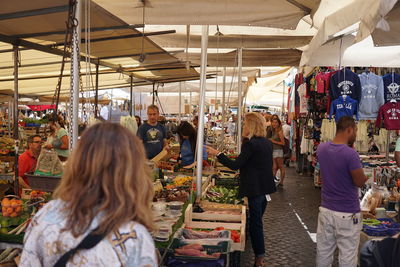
(48, 163)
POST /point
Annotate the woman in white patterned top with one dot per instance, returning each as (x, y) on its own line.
(106, 190)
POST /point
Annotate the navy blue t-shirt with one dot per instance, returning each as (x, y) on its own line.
(345, 82)
(153, 138)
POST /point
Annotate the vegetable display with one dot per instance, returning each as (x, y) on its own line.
(221, 194)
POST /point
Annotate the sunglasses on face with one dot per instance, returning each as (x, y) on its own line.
(37, 142)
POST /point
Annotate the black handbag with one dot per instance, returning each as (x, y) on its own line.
(90, 241)
(370, 255)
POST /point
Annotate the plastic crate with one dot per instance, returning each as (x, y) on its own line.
(222, 247)
(43, 183)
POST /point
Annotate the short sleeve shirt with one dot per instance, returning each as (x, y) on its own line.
(61, 152)
(26, 163)
(398, 145)
(153, 138)
(338, 191)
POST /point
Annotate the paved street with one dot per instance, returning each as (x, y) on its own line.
(290, 224)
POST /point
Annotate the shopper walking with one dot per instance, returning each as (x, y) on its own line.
(256, 179)
(58, 139)
(104, 200)
(339, 219)
(153, 133)
(278, 141)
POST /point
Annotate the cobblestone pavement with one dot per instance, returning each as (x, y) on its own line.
(293, 207)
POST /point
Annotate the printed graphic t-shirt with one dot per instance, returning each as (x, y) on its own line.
(389, 114)
(153, 138)
(391, 83)
(338, 192)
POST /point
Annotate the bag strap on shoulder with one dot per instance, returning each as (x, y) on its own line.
(90, 241)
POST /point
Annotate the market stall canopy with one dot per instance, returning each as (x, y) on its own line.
(363, 54)
(346, 19)
(270, 13)
(233, 41)
(251, 58)
(114, 45)
(385, 31)
(269, 90)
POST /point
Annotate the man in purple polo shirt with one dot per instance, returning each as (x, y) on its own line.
(339, 219)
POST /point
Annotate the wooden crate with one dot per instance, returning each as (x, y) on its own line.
(214, 220)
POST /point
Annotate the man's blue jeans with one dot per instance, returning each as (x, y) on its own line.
(257, 206)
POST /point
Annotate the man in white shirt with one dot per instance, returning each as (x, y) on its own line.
(104, 113)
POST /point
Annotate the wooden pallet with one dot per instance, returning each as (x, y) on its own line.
(214, 220)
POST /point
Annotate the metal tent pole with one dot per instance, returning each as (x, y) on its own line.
(154, 94)
(239, 113)
(131, 96)
(223, 102)
(200, 132)
(15, 119)
(387, 145)
(190, 104)
(180, 102)
(96, 96)
(76, 42)
(283, 99)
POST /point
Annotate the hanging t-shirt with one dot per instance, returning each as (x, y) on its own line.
(389, 114)
(320, 82)
(372, 95)
(302, 90)
(391, 83)
(344, 106)
(153, 138)
(345, 82)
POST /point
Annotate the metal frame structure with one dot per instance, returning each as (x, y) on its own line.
(200, 132)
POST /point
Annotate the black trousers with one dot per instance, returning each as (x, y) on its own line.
(257, 206)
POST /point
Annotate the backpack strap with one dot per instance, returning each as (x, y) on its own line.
(90, 241)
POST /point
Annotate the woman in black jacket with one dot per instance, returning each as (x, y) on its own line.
(256, 179)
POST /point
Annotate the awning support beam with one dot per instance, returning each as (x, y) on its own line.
(99, 29)
(58, 52)
(137, 55)
(136, 35)
(34, 12)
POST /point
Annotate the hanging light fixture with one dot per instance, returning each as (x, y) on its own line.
(143, 4)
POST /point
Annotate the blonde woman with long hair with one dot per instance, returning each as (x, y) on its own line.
(101, 212)
(256, 179)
